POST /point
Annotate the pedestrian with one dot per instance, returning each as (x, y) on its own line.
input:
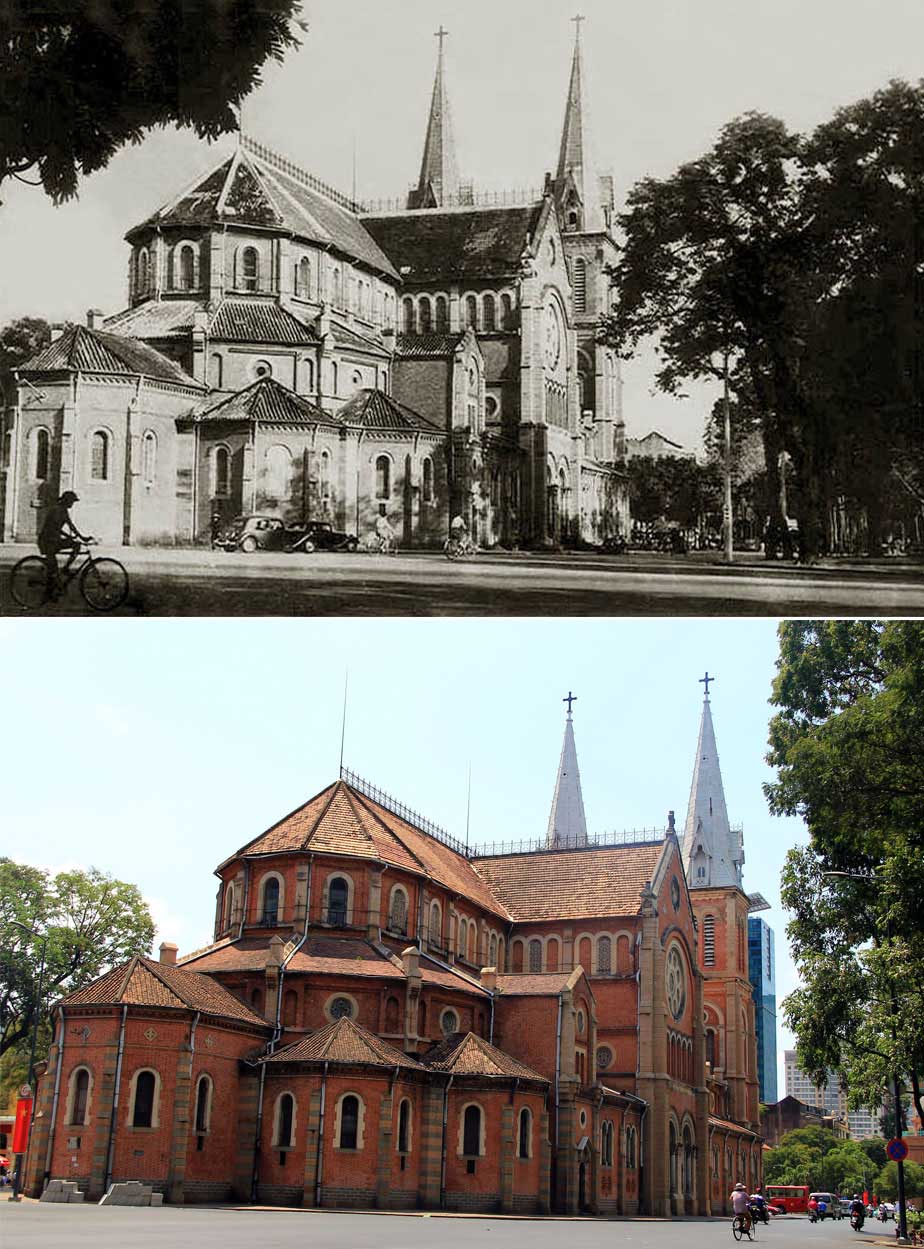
(214, 528)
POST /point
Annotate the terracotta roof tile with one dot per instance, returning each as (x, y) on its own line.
(267, 401)
(373, 409)
(258, 321)
(533, 984)
(732, 1127)
(344, 1042)
(156, 318)
(94, 351)
(572, 884)
(432, 973)
(465, 1054)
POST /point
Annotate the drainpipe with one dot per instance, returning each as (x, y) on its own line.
(319, 1169)
(115, 1101)
(443, 1163)
(491, 1026)
(257, 1130)
(46, 1174)
(557, 1065)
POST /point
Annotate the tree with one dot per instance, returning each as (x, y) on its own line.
(19, 341)
(800, 1156)
(848, 746)
(80, 78)
(675, 489)
(91, 922)
(886, 1185)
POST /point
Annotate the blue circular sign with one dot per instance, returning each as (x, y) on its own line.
(897, 1149)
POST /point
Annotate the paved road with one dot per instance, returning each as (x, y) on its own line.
(34, 1226)
(198, 583)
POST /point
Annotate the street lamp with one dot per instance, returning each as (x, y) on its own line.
(17, 1173)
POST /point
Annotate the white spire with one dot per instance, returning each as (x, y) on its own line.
(576, 154)
(567, 826)
(712, 852)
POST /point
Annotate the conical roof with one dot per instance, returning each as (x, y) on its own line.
(567, 826)
(268, 402)
(466, 1054)
(576, 157)
(712, 852)
(439, 168)
(347, 1043)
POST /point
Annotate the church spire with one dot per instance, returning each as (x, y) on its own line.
(575, 157)
(712, 851)
(439, 170)
(567, 826)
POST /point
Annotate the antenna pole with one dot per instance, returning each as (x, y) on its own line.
(346, 683)
(468, 802)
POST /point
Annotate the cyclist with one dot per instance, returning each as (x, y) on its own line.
(59, 533)
(458, 535)
(384, 533)
(739, 1201)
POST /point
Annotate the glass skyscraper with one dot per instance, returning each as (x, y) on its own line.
(762, 974)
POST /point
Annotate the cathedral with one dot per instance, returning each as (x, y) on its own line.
(388, 1019)
(290, 352)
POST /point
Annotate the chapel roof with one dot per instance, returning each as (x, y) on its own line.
(344, 1042)
(427, 346)
(256, 188)
(572, 884)
(265, 400)
(477, 243)
(145, 982)
(465, 1054)
(373, 409)
(97, 351)
(533, 984)
(258, 321)
(351, 339)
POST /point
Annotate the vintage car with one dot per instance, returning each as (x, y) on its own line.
(254, 533)
(319, 535)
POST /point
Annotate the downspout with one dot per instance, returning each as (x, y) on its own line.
(194, 527)
(319, 1168)
(54, 1103)
(257, 1130)
(445, 1120)
(115, 1100)
(557, 1065)
(491, 1026)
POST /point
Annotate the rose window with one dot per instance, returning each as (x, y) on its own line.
(676, 983)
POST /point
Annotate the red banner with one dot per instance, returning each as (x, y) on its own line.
(21, 1126)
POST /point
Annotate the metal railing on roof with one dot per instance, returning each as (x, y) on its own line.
(593, 841)
(406, 813)
(288, 167)
(519, 197)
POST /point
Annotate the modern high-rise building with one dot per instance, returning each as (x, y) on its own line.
(762, 974)
(832, 1098)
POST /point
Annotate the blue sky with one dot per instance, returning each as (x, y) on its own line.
(154, 749)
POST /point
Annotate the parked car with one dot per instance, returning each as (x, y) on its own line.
(832, 1203)
(253, 533)
(319, 535)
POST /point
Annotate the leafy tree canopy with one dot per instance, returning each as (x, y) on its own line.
(848, 746)
(80, 78)
(886, 1186)
(816, 1157)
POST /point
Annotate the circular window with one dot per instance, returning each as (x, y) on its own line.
(580, 1021)
(449, 1022)
(491, 406)
(604, 1058)
(675, 893)
(341, 1008)
(262, 368)
(583, 1118)
(676, 983)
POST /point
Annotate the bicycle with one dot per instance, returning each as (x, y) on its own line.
(459, 548)
(103, 583)
(743, 1225)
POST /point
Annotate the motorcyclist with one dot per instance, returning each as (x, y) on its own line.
(857, 1211)
(822, 1209)
(813, 1210)
(759, 1206)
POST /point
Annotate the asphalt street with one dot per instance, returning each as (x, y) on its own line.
(34, 1226)
(199, 583)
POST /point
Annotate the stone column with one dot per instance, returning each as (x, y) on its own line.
(248, 1092)
(411, 960)
(273, 964)
(179, 1138)
(653, 1081)
(703, 1201)
(507, 1157)
(374, 915)
(103, 1117)
(312, 1133)
(41, 1124)
(386, 1152)
(431, 1147)
(545, 1164)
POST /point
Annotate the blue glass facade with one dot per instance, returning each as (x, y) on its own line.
(762, 974)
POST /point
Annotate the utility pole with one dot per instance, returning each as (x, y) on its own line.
(727, 508)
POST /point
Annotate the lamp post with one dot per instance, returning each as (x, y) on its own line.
(17, 1173)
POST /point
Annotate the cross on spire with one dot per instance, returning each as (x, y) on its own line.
(706, 681)
(441, 35)
(577, 19)
(572, 698)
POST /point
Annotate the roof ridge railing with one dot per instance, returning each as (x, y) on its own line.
(594, 841)
(517, 197)
(410, 816)
(289, 167)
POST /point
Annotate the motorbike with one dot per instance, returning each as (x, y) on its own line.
(813, 1216)
(759, 1212)
(856, 1221)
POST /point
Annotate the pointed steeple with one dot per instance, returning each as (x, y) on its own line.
(567, 826)
(575, 158)
(712, 851)
(439, 169)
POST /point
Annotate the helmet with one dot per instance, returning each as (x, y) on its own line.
(68, 497)
(740, 1186)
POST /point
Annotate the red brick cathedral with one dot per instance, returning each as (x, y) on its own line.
(386, 1019)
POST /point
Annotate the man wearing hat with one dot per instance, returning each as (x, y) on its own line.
(59, 533)
(739, 1201)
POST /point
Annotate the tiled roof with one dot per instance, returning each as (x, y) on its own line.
(268, 401)
(144, 982)
(258, 321)
(373, 409)
(426, 346)
(95, 351)
(432, 973)
(346, 337)
(344, 1042)
(247, 190)
(533, 984)
(731, 1127)
(465, 1054)
(480, 243)
(156, 318)
(572, 884)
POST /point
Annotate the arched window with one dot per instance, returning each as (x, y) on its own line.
(278, 471)
(341, 1007)
(149, 457)
(285, 1121)
(324, 475)
(289, 1008)
(248, 275)
(488, 312)
(579, 284)
(471, 312)
(535, 955)
(229, 905)
(397, 911)
(709, 941)
(687, 1161)
(392, 1015)
(383, 477)
(203, 1103)
(221, 473)
(357, 380)
(41, 444)
(256, 1001)
(710, 1047)
(461, 928)
(604, 956)
(217, 370)
(308, 374)
(143, 1107)
(492, 950)
(551, 954)
(99, 455)
(336, 288)
(506, 312)
(471, 1132)
(335, 377)
(517, 957)
(338, 896)
(184, 267)
(449, 1022)
(427, 480)
(525, 1134)
(80, 1093)
(472, 941)
(408, 319)
(144, 270)
(631, 1149)
(425, 315)
(672, 1158)
(442, 315)
(404, 1127)
(435, 934)
(623, 954)
(303, 278)
(270, 915)
(349, 1122)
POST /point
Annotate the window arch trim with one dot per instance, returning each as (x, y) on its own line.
(464, 1137)
(73, 1101)
(155, 1099)
(360, 1122)
(278, 1142)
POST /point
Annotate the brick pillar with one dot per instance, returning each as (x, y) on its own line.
(431, 1148)
(545, 1165)
(311, 1148)
(179, 1139)
(507, 1156)
(566, 1177)
(653, 1081)
(703, 1201)
(300, 912)
(41, 1124)
(386, 1152)
(103, 1118)
(247, 1097)
(373, 918)
(68, 476)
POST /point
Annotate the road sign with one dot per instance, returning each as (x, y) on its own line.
(897, 1149)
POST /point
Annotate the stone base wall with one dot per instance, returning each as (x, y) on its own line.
(196, 1191)
(482, 1203)
(523, 1203)
(349, 1198)
(279, 1195)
